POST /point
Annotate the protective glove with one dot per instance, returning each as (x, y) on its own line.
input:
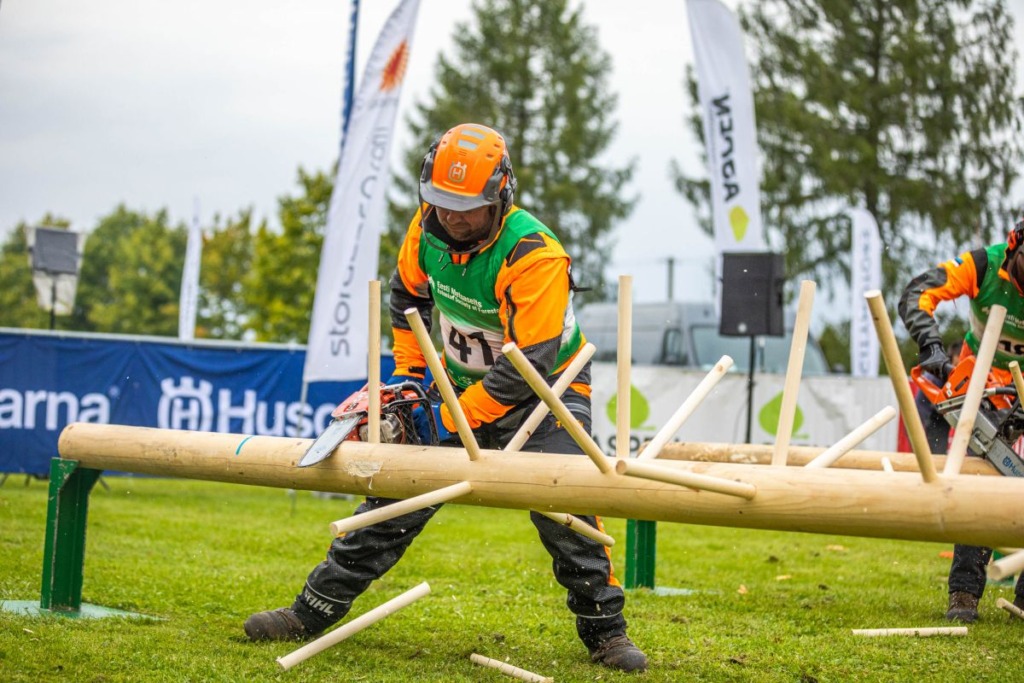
(398, 379)
(933, 359)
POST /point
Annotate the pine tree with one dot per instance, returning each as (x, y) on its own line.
(908, 108)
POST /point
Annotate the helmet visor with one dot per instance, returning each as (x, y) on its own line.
(451, 200)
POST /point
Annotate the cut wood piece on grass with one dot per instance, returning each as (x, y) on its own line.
(508, 669)
(355, 626)
(926, 631)
(1002, 603)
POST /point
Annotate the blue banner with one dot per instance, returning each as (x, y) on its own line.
(48, 380)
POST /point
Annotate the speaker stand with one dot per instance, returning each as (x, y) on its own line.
(750, 391)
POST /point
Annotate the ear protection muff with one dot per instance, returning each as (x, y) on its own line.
(427, 167)
(1016, 236)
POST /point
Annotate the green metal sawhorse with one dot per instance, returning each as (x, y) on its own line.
(64, 551)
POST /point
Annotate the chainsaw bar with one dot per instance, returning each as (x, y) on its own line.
(336, 432)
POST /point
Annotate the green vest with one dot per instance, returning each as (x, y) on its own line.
(996, 290)
(471, 327)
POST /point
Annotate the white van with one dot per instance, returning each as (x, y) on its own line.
(685, 334)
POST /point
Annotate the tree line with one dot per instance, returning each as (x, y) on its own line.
(908, 108)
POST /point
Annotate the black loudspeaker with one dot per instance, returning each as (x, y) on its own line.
(752, 285)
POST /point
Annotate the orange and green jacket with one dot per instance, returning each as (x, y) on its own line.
(517, 289)
(981, 276)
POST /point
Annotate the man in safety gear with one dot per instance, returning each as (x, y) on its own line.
(990, 276)
(496, 275)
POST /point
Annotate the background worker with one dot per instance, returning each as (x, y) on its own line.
(496, 275)
(987, 277)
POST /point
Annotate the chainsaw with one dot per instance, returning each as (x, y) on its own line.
(350, 420)
(1000, 420)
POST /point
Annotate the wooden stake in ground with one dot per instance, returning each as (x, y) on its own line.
(975, 389)
(692, 402)
(1006, 566)
(1018, 380)
(402, 507)
(373, 366)
(444, 384)
(508, 669)
(702, 482)
(848, 442)
(791, 386)
(1010, 607)
(623, 363)
(541, 411)
(358, 624)
(927, 631)
(900, 384)
(569, 421)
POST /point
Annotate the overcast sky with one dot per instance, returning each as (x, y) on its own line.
(158, 104)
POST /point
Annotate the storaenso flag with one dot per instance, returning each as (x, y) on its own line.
(865, 275)
(337, 346)
(723, 83)
(188, 299)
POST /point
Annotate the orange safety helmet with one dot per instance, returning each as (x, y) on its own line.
(467, 168)
(1016, 236)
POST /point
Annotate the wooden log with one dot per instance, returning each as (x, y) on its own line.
(759, 454)
(987, 511)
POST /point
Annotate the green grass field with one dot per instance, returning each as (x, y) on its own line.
(739, 605)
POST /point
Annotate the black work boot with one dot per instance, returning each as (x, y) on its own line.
(962, 607)
(619, 652)
(278, 624)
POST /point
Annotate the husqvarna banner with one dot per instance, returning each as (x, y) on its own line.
(48, 380)
(723, 83)
(348, 261)
(865, 275)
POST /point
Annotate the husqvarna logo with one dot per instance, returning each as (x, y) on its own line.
(457, 172)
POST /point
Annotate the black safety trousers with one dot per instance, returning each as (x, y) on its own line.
(582, 566)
